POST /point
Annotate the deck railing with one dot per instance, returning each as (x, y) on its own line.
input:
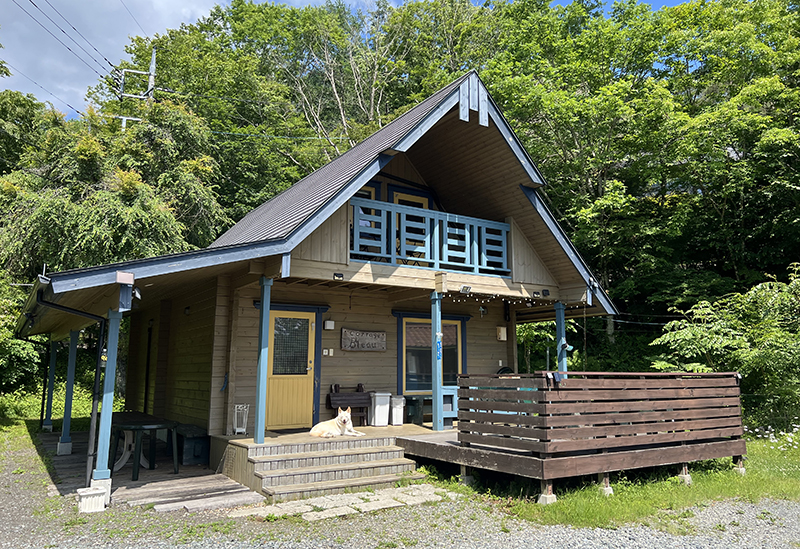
(596, 422)
(404, 235)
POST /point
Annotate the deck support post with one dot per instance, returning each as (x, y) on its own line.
(466, 478)
(47, 424)
(263, 358)
(547, 496)
(64, 447)
(684, 474)
(604, 479)
(561, 337)
(436, 361)
(738, 464)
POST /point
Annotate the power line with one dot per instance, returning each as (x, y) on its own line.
(81, 35)
(132, 17)
(57, 39)
(279, 136)
(67, 35)
(42, 87)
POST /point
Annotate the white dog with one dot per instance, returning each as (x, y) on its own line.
(338, 426)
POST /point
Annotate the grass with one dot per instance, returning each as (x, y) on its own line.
(651, 497)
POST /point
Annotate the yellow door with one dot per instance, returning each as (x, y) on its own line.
(290, 377)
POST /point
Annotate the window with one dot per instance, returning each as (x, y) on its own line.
(416, 354)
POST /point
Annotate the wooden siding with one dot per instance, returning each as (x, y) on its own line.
(330, 242)
(162, 327)
(188, 378)
(135, 373)
(358, 310)
(526, 266)
(217, 413)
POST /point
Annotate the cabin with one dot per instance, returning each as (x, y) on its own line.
(403, 266)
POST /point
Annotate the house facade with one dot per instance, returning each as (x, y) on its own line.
(404, 262)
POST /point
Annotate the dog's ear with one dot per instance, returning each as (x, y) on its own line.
(340, 410)
(348, 409)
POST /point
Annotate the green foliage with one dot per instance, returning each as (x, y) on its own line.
(18, 359)
(756, 333)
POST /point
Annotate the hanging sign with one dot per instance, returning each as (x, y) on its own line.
(358, 340)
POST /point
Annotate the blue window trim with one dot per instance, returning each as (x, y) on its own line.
(401, 315)
(318, 309)
(391, 190)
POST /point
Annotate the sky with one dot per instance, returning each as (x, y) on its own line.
(38, 47)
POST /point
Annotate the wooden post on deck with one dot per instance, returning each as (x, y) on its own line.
(263, 358)
(64, 447)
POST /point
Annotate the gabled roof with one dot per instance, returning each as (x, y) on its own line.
(279, 217)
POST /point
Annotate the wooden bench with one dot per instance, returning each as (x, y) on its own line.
(354, 398)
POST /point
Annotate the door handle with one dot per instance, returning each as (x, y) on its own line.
(309, 368)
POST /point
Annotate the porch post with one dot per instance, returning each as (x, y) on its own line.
(561, 337)
(263, 358)
(436, 361)
(65, 442)
(101, 469)
(47, 424)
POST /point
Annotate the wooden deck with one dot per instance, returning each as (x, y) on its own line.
(193, 488)
(537, 427)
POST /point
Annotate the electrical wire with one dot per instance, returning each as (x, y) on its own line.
(43, 88)
(132, 17)
(99, 64)
(279, 136)
(641, 323)
(81, 35)
(58, 39)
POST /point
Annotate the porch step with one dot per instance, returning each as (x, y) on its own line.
(318, 445)
(325, 458)
(301, 491)
(338, 471)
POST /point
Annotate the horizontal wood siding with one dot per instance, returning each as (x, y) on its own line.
(601, 413)
(357, 310)
(188, 376)
(219, 358)
(330, 242)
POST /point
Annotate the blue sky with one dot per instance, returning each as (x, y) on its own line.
(39, 56)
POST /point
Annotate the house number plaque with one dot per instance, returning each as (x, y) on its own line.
(357, 340)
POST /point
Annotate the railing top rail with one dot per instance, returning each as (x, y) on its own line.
(542, 374)
(455, 218)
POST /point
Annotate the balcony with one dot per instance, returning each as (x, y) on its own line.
(403, 235)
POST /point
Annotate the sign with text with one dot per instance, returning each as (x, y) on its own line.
(357, 340)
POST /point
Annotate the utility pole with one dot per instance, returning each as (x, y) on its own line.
(147, 95)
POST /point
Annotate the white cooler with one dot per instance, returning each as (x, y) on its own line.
(398, 403)
(379, 411)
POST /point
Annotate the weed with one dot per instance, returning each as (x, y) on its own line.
(75, 521)
(720, 527)
(386, 545)
(734, 523)
(18, 471)
(407, 542)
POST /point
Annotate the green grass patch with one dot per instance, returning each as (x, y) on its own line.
(650, 497)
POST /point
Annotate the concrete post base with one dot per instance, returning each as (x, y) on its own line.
(546, 499)
(466, 477)
(687, 479)
(105, 484)
(47, 428)
(64, 448)
(606, 490)
(739, 470)
(91, 500)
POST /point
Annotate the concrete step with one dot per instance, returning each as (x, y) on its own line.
(318, 445)
(340, 471)
(330, 457)
(224, 501)
(301, 491)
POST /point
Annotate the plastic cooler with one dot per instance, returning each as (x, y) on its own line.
(379, 411)
(398, 403)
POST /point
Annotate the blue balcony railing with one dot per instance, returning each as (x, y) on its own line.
(404, 235)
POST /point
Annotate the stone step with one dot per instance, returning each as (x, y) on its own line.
(318, 445)
(341, 471)
(330, 457)
(301, 491)
(245, 497)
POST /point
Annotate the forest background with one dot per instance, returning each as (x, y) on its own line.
(669, 140)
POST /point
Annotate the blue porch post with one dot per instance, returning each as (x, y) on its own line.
(101, 469)
(47, 424)
(65, 442)
(436, 361)
(263, 358)
(561, 337)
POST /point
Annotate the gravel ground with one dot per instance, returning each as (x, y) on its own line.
(28, 518)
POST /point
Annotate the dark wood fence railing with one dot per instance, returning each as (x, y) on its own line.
(594, 422)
